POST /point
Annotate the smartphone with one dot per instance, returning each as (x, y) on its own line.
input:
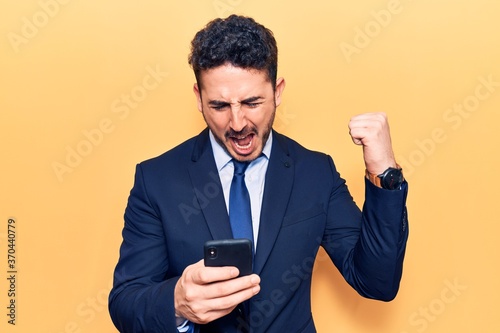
(229, 252)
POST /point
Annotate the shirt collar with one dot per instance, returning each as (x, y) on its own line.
(222, 157)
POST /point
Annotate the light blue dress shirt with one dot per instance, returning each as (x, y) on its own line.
(255, 177)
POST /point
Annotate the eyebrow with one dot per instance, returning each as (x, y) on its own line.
(251, 99)
(216, 103)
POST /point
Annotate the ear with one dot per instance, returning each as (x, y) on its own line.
(280, 86)
(197, 93)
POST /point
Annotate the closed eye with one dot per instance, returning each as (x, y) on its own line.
(252, 105)
(218, 106)
(252, 102)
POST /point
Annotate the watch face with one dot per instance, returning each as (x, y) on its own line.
(392, 179)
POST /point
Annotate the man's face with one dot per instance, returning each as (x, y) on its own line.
(239, 107)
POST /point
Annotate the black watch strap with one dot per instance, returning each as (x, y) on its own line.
(390, 179)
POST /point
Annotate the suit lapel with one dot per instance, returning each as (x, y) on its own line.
(208, 188)
(278, 186)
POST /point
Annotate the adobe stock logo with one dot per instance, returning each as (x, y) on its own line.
(364, 36)
(88, 310)
(225, 7)
(454, 118)
(121, 108)
(31, 26)
(429, 313)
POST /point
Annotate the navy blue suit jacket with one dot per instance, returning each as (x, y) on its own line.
(177, 204)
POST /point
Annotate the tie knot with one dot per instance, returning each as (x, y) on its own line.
(239, 167)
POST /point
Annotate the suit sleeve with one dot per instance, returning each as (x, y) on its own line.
(141, 299)
(368, 247)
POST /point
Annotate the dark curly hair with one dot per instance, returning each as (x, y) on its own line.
(237, 40)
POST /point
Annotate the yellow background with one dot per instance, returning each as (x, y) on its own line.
(66, 65)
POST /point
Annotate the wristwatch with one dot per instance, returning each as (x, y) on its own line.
(390, 179)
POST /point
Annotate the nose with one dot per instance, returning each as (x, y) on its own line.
(238, 118)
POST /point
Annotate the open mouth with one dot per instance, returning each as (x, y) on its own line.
(242, 144)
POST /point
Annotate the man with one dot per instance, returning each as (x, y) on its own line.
(298, 202)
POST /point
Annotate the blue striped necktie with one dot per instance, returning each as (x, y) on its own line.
(240, 214)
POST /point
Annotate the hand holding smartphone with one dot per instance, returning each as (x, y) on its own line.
(229, 252)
